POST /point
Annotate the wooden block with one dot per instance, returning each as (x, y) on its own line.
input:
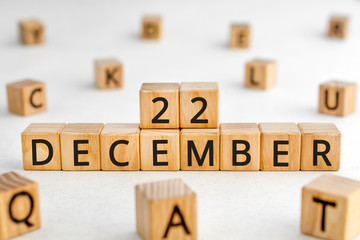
(160, 149)
(19, 205)
(330, 208)
(159, 105)
(338, 27)
(41, 146)
(260, 74)
(240, 36)
(166, 210)
(199, 105)
(26, 97)
(120, 147)
(280, 147)
(32, 31)
(108, 73)
(320, 146)
(151, 27)
(80, 146)
(240, 147)
(200, 149)
(337, 98)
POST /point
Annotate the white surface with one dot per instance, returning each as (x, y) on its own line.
(231, 205)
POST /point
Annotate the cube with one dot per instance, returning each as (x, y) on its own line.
(240, 36)
(338, 27)
(108, 73)
(151, 27)
(32, 31)
(260, 74)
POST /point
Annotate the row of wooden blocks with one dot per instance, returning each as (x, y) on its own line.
(235, 146)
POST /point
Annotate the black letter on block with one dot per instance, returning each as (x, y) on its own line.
(323, 154)
(208, 148)
(31, 98)
(324, 203)
(25, 219)
(327, 98)
(171, 224)
(252, 77)
(244, 152)
(110, 76)
(77, 152)
(49, 146)
(156, 152)
(277, 153)
(111, 153)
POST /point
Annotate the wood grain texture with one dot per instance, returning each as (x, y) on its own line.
(260, 74)
(31, 32)
(108, 73)
(240, 36)
(151, 28)
(338, 27)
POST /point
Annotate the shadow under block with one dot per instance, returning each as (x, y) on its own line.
(338, 27)
(41, 146)
(330, 208)
(260, 74)
(26, 97)
(19, 205)
(320, 146)
(199, 105)
(151, 27)
(240, 36)
(32, 32)
(159, 105)
(108, 73)
(239, 147)
(337, 98)
(120, 147)
(200, 149)
(280, 147)
(166, 210)
(160, 149)
(80, 146)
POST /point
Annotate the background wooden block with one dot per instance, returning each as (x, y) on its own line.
(32, 31)
(260, 74)
(166, 210)
(160, 149)
(80, 146)
(159, 105)
(337, 98)
(108, 73)
(199, 105)
(330, 208)
(26, 97)
(280, 147)
(41, 146)
(120, 147)
(338, 27)
(240, 36)
(239, 146)
(19, 205)
(151, 27)
(200, 149)
(320, 146)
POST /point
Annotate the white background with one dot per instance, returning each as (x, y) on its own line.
(231, 205)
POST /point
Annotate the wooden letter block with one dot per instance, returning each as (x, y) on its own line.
(280, 147)
(166, 210)
(240, 36)
(19, 205)
(160, 149)
(108, 73)
(199, 105)
(41, 146)
(337, 98)
(240, 147)
(338, 27)
(26, 97)
(200, 149)
(80, 146)
(31, 32)
(320, 146)
(159, 105)
(260, 74)
(151, 27)
(330, 208)
(120, 147)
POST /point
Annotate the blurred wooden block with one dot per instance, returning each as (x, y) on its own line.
(239, 147)
(108, 73)
(32, 31)
(337, 98)
(199, 105)
(80, 146)
(200, 149)
(166, 210)
(151, 27)
(160, 149)
(320, 146)
(19, 205)
(240, 36)
(159, 105)
(26, 97)
(338, 27)
(41, 146)
(260, 74)
(280, 147)
(330, 208)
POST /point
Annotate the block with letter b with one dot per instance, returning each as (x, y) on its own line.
(260, 74)
(108, 73)
(32, 32)
(151, 27)
(338, 27)
(240, 36)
